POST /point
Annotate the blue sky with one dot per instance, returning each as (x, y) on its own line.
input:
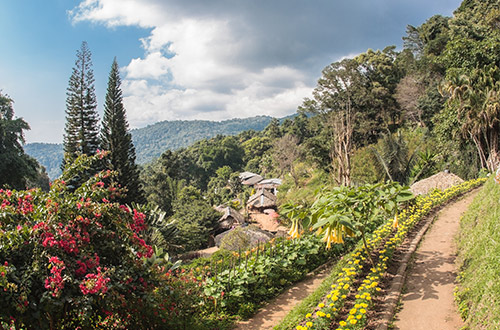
(189, 59)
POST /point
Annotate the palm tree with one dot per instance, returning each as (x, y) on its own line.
(477, 100)
(394, 158)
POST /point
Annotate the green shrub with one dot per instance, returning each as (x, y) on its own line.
(72, 258)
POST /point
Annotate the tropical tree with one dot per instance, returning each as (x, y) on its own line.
(81, 133)
(339, 100)
(286, 152)
(472, 58)
(16, 167)
(476, 100)
(394, 157)
(118, 141)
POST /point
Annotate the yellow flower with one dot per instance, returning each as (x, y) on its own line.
(308, 315)
(342, 323)
(359, 316)
(353, 321)
(353, 311)
(362, 310)
(309, 324)
(321, 305)
(328, 316)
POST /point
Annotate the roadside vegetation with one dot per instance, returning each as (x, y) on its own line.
(478, 291)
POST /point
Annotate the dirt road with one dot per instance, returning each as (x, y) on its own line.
(428, 295)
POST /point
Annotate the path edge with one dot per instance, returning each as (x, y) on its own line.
(392, 298)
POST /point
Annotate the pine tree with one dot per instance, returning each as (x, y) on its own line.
(118, 141)
(81, 134)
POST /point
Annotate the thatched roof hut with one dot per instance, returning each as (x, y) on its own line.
(230, 219)
(262, 199)
(242, 238)
(442, 180)
(253, 180)
(246, 175)
(269, 184)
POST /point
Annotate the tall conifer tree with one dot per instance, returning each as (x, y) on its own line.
(116, 139)
(81, 134)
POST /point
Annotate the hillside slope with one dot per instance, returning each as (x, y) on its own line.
(151, 141)
(50, 155)
(478, 292)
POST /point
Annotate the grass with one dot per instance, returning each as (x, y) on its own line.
(311, 181)
(478, 292)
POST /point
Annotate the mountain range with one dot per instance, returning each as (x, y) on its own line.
(151, 141)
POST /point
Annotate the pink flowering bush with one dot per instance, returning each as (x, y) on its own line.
(73, 258)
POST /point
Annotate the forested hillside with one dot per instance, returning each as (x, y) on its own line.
(49, 155)
(151, 141)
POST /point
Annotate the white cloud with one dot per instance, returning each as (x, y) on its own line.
(193, 66)
(217, 59)
(154, 66)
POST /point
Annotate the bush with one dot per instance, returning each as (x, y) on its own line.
(78, 260)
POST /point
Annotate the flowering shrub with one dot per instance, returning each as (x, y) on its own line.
(73, 258)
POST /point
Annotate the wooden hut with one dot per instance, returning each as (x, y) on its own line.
(269, 184)
(249, 178)
(230, 219)
(262, 199)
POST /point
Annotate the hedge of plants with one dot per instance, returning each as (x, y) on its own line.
(72, 258)
(384, 242)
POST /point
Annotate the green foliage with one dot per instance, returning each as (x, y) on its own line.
(153, 140)
(478, 290)
(364, 166)
(394, 158)
(161, 231)
(16, 167)
(311, 182)
(263, 272)
(195, 219)
(81, 133)
(224, 187)
(347, 212)
(117, 140)
(71, 258)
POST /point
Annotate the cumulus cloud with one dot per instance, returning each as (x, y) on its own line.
(218, 59)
